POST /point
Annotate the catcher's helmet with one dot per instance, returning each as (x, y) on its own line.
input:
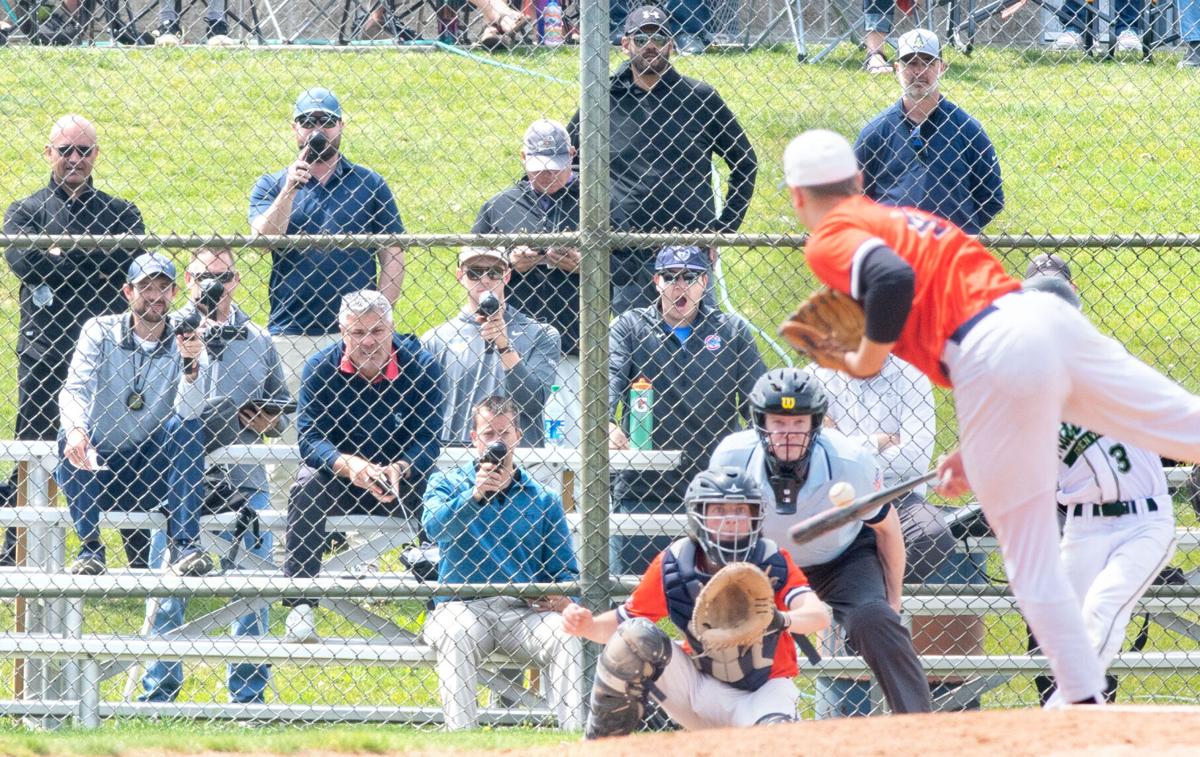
(723, 545)
(788, 391)
(1055, 285)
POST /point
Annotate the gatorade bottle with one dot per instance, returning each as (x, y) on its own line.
(555, 418)
(552, 24)
(641, 414)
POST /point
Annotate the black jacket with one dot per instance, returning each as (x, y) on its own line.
(60, 292)
(701, 390)
(662, 144)
(544, 293)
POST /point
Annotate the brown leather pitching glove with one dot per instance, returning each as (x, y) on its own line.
(826, 326)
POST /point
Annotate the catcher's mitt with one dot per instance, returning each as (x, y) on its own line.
(826, 326)
(735, 608)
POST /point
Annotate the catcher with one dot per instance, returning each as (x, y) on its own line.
(734, 595)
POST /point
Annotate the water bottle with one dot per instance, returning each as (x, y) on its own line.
(555, 418)
(552, 24)
(641, 414)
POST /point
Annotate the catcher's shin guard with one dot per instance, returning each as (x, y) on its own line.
(632, 660)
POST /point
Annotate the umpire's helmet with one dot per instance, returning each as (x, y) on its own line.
(788, 391)
(731, 543)
(1055, 285)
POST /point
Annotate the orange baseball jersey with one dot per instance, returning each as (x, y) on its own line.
(956, 277)
(669, 588)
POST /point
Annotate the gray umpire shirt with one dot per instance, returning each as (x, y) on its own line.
(244, 368)
(472, 373)
(108, 366)
(834, 459)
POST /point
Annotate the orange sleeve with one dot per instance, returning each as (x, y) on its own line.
(796, 580)
(648, 599)
(831, 251)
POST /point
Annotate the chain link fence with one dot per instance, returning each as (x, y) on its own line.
(235, 493)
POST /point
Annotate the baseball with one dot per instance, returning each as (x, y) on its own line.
(841, 494)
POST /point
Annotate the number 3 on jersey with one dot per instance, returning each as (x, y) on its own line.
(1117, 452)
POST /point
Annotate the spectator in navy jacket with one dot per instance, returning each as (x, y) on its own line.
(369, 418)
(925, 151)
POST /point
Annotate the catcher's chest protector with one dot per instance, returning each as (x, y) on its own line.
(746, 668)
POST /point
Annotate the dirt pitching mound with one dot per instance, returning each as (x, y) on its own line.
(1117, 731)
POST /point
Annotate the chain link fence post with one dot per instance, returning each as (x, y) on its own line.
(595, 247)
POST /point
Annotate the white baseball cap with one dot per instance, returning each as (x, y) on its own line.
(919, 42)
(816, 157)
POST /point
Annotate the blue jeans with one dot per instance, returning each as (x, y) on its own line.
(877, 15)
(166, 468)
(1073, 18)
(1189, 20)
(247, 681)
(842, 698)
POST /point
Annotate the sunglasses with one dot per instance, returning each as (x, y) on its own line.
(641, 39)
(224, 276)
(477, 274)
(83, 150)
(688, 277)
(317, 120)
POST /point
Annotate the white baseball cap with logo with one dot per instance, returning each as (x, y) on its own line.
(817, 157)
(918, 42)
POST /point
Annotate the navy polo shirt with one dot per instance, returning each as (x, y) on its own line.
(307, 284)
(945, 166)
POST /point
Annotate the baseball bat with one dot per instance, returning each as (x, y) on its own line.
(823, 522)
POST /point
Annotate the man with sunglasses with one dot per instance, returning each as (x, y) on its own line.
(926, 152)
(701, 363)
(243, 401)
(665, 130)
(322, 193)
(62, 287)
(491, 348)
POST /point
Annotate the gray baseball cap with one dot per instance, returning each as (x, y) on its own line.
(547, 146)
(646, 15)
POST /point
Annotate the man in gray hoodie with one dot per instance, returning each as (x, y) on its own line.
(246, 394)
(130, 421)
(492, 349)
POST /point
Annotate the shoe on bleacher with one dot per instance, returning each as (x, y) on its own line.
(88, 565)
(194, 563)
(168, 35)
(301, 625)
(1129, 41)
(1067, 42)
(217, 35)
(422, 561)
(1191, 59)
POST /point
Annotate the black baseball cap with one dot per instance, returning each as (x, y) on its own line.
(646, 15)
(1048, 264)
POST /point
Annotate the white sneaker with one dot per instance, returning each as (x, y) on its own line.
(222, 40)
(166, 39)
(1129, 41)
(301, 625)
(1067, 42)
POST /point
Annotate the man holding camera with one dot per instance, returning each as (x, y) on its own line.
(322, 193)
(492, 348)
(369, 419)
(130, 421)
(494, 523)
(246, 399)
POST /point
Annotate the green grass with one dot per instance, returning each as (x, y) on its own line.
(143, 737)
(1086, 148)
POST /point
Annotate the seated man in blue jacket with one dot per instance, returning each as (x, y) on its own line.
(369, 418)
(494, 523)
(926, 152)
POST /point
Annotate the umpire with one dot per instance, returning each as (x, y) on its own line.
(856, 569)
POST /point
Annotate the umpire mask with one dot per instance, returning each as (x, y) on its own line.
(787, 391)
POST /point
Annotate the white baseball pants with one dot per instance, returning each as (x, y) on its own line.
(697, 701)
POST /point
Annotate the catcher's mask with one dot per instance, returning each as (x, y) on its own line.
(731, 538)
(787, 391)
